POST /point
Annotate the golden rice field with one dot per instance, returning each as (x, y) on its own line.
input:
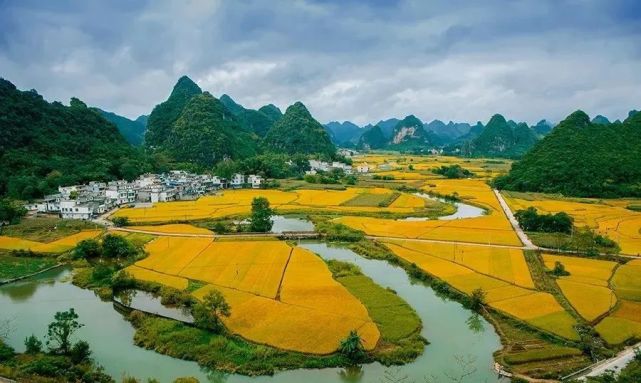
(491, 229)
(587, 287)
(608, 217)
(59, 246)
(623, 324)
(501, 273)
(153, 276)
(422, 165)
(238, 202)
(627, 281)
(281, 296)
(173, 229)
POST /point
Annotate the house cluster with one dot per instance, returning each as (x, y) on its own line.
(316, 166)
(95, 198)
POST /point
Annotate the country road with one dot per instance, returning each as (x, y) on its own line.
(615, 364)
(515, 224)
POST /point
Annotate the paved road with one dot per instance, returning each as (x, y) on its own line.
(446, 242)
(616, 363)
(515, 224)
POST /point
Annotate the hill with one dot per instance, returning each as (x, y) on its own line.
(583, 159)
(410, 134)
(601, 120)
(373, 138)
(165, 114)
(344, 133)
(206, 132)
(448, 132)
(133, 131)
(543, 127)
(298, 132)
(501, 138)
(257, 121)
(44, 145)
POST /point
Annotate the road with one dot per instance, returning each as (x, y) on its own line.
(515, 224)
(616, 363)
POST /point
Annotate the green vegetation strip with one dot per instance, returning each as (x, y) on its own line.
(46, 229)
(372, 200)
(395, 318)
(15, 267)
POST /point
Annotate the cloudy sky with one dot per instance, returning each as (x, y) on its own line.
(346, 60)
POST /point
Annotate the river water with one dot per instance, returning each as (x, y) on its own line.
(460, 341)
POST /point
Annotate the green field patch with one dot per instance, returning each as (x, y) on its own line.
(15, 267)
(47, 229)
(542, 354)
(372, 200)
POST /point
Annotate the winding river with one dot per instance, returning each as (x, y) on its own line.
(459, 340)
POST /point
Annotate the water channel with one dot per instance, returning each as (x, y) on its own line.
(458, 339)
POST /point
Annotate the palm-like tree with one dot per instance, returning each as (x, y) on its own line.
(352, 346)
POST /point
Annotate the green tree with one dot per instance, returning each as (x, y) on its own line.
(477, 299)
(80, 352)
(207, 314)
(559, 269)
(88, 248)
(352, 347)
(33, 345)
(120, 221)
(116, 246)
(261, 216)
(59, 332)
(11, 211)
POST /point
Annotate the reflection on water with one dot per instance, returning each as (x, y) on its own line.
(463, 210)
(23, 290)
(475, 323)
(147, 302)
(351, 374)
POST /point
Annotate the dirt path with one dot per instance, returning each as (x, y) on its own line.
(515, 225)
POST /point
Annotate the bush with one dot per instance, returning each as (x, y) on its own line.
(452, 172)
(80, 352)
(89, 248)
(6, 352)
(33, 345)
(120, 221)
(116, 246)
(207, 313)
(188, 379)
(559, 270)
(339, 232)
(352, 347)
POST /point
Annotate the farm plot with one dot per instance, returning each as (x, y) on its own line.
(279, 295)
(536, 308)
(607, 217)
(623, 324)
(59, 246)
(173, 229)
(491, 229)
(12, 243)
(627, 281)
(586, 288)
(238, 202)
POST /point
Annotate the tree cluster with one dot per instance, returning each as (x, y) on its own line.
(530, 220)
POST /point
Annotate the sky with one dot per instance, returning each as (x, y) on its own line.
(345, 60)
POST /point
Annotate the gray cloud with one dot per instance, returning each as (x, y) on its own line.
(345, 60)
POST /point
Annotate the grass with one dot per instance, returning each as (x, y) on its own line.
(373, 199)
(562, 241)
(394, 317)
(46, 229)
(532, 353)
(14, 267)
(634, 207)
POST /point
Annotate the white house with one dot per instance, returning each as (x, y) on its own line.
(363, 168)
(72, 209)
(122, 193)
(237, 181)
(255, 181)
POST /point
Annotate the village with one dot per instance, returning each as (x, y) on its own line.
(90, 200)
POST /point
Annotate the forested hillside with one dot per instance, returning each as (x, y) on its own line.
(133, 131)
(206, 132)
(373, 138)
(165, 114)
(582, 158)
(257, 121)
(501, 138)
(298, 132)
(44, 145)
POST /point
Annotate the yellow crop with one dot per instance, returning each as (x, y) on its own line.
(470, 268)
(173, 229)
(623, 324)
(627, 281)
(608, 217)
(153, 276)
(12, 243)
(66, 243)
